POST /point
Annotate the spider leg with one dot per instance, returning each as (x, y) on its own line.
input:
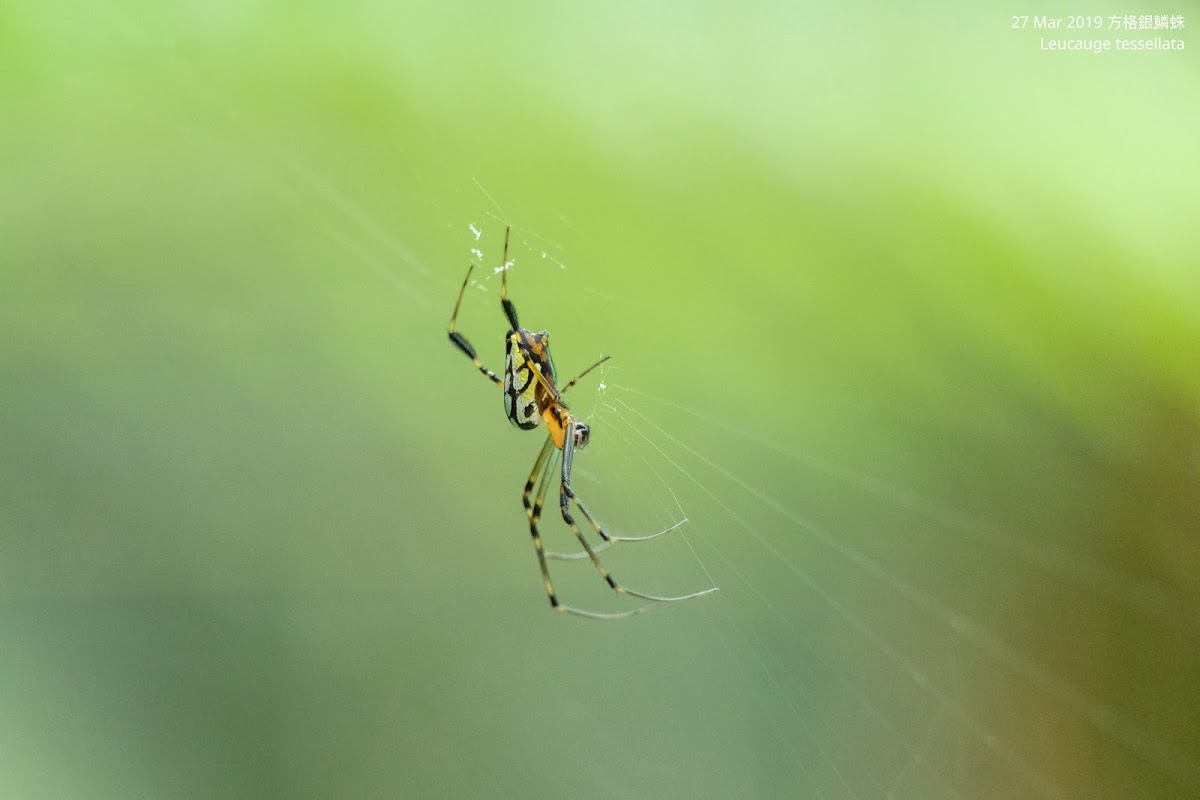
(535, 511)
(544, 465)
(566, 495)
(575, 380)
(510, 310)
(609, 539)
(461, 342)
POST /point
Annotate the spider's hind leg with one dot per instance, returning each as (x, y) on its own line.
(510, 310)
(461, 342)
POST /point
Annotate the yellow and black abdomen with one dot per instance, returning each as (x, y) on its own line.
(530, 394)
(526, 395)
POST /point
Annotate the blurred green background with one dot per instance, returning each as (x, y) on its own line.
(905, 317)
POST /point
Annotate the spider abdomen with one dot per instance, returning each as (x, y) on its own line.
(529, 390)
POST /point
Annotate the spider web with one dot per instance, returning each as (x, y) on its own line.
(944, 670)
(867, 672)
(933, 719)
(956, 744)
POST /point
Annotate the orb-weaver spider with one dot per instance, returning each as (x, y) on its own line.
(531, 397)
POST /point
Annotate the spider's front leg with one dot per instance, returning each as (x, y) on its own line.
(578, 431)
(566, 495)
(577, 435)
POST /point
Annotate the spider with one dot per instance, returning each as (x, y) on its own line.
(532, 398)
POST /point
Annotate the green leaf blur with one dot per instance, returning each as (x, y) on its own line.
(905, 319)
